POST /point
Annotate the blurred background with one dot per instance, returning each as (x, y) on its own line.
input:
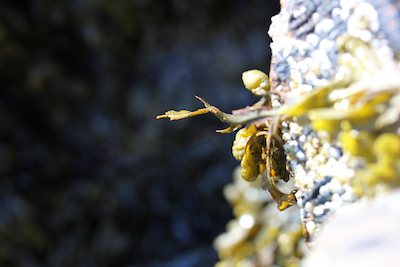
(88, 176)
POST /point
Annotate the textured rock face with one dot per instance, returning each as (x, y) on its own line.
(319, 44)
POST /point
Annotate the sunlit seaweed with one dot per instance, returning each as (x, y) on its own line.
(359, 107)
(252, 145)
(354, 106)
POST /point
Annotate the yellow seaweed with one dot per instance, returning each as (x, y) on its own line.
(241, 139)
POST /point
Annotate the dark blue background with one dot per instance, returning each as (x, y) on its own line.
(88, 177)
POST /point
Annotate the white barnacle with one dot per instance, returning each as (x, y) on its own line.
(324, 26)
(336, 13)
(325, 45)
(310, 226)
(319, 210)
(312, 39)
(315, 16)
(364, 17)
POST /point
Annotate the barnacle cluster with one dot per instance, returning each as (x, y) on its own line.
(328, 119)
(338, 60)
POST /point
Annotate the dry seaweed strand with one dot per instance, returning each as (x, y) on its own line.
(254, 163)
